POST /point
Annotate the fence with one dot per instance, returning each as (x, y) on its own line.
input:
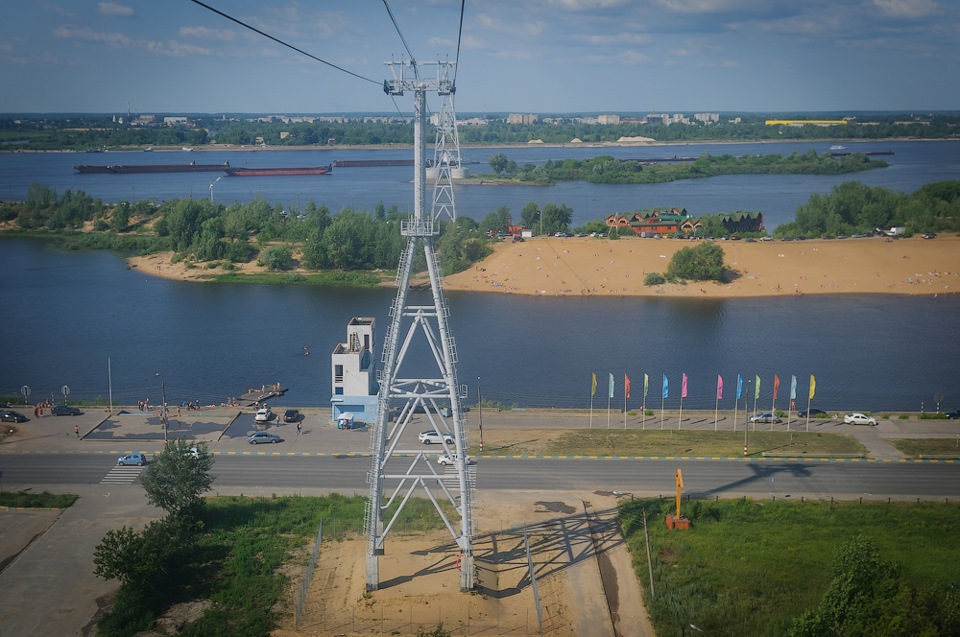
(308, 576)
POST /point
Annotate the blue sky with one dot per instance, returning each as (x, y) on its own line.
(541, 56)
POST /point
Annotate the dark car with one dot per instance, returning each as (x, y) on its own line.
(813, 413)
(291, 415)
(953, 415)
(12, 416)
(65, 410)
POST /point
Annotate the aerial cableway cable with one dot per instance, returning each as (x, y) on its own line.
(403, 39)
(459, 38)
(279, 41)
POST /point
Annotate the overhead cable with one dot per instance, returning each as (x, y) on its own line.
(402, 39)
(459, 37)
(279, 41)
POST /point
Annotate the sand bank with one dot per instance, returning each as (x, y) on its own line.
(585, 266)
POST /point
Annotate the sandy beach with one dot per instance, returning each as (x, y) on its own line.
(584, 266)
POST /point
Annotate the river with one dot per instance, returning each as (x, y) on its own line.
(67, 314)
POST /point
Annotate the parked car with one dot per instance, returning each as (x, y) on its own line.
(813, 413)
(446, 460)
(953, 415)
(261, 437)
(291, 415)
(766, 416)
(929, 235)
(431, 436)
(65, 410)
(137, 459)
(12, 416)
(859, 419)
(264, 415)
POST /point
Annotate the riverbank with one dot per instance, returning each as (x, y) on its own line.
(585, 266)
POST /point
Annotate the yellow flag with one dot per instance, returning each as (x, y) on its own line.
(593, 385)
(813, 386)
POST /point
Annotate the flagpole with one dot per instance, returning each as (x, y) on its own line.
(608, 410)
(680, 418)
(808, 413)
(716, 412)
(736, 407)
(591, 411)
(624, 408)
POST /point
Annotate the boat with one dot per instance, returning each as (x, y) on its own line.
(838, 147)
(277, 172)
(127, 169)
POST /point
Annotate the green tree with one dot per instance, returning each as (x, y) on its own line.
(866, 598)
(702, 263)
(277, 258)
(498, 162)
(556, 217)
(530, 215)
(177, 477)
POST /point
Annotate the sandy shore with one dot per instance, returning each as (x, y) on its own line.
(599, 267)
(585, 266)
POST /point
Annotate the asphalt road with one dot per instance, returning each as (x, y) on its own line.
(703, 478)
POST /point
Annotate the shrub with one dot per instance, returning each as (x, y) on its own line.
(654, 278)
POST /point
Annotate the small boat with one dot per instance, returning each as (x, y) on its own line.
(277, 172)
(838, 147)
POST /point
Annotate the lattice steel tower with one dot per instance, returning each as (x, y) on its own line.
(439, 397)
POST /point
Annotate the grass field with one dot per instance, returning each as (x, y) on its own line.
(915, 447)
(45, 500)
(747, 568)
(614, 442)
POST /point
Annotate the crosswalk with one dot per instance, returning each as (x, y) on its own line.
(122, 475)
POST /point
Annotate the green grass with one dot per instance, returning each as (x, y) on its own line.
(612, 442)
(238, 560)
(914, 447)
(43, 500)
(334, 278)
(748, 567)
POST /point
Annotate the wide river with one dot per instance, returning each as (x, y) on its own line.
(67, 314)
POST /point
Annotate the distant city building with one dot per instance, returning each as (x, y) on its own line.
(522, 118)
(608, 120)
(806, 122)
(354, 373)
(707, 118)
(175, 121)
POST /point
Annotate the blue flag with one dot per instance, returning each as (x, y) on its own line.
(666, 387)
(611, 386)
(739, 386)
(793, 388)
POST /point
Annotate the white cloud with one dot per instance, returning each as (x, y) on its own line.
(616, 38)
(171, 48)
(206, 33)
(907, 8)
(108, 8)
(633, 57)
(445, 42)
(582, 5)
(86, 34)
(712, 6)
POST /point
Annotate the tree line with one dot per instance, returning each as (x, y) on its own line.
(93, 131)
(606, 169)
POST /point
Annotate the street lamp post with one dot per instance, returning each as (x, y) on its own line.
(163, 406)
(746, 403)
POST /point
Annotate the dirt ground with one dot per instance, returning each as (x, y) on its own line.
(583, 576)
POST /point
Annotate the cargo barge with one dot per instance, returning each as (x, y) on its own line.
(128, 169)
(277, 172)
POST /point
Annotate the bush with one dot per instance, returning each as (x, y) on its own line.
(654, 278)
(702, 263)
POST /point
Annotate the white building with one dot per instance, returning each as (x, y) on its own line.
(353, 369)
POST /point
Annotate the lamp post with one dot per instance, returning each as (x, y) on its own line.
(163, 406)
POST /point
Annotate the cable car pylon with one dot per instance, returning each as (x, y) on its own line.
(396, 472)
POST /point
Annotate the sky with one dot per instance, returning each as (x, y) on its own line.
(529, 56)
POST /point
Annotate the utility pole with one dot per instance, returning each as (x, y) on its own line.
(409, 318)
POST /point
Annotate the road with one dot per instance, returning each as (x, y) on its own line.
(703, 478)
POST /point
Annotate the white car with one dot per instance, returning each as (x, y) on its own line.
(264, 415)
(431, 436)
(859, 419)
(449, 460)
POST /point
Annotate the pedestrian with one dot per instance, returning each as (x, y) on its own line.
(36, 411)
(299, 428)
(76, 430)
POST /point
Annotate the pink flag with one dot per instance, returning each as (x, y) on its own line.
(719, 387)
(683, 389)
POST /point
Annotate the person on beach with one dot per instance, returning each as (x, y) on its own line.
(299, 428)
(76, 430)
